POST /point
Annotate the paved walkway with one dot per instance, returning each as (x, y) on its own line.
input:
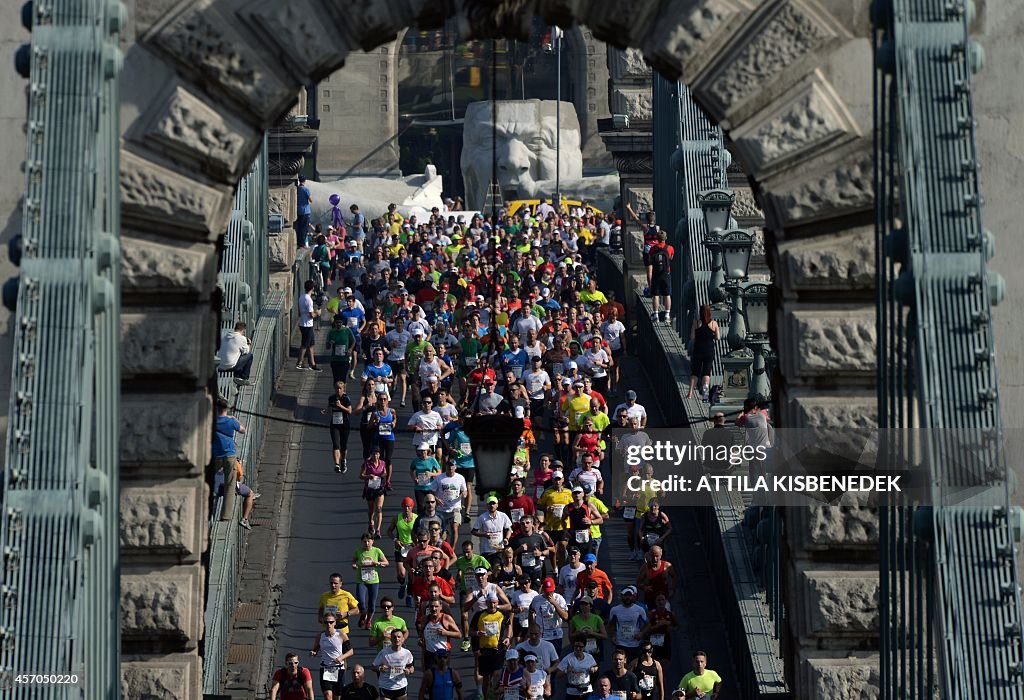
(318, 517)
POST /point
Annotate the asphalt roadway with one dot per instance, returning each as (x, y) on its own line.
(323, 516)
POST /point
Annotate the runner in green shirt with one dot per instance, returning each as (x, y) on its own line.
(701, 682)
(366, 560)
(380, 630)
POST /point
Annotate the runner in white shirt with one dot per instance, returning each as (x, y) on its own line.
(492, 527)
(547, 655)
(396, 340)
(394, 665)
(625, 621)
(535, 679)
(537, 382)
(426, 424)
(578, 666)
(451, 490)
(632, 408)
(568, 573)
(550, 612)
(521, 599)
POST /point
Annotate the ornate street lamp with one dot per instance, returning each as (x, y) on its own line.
(493, 439)
(736, 246)
(755, 298)
(716, 206)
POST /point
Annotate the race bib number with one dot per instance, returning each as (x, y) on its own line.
(432, 637)
(405, 550)
(353, 322)
(423, 478)
(494, 538)
(556, 511)
(470, 362)
(646, 683)
(367, 575)
(529, 561)
(384, 429)
(658, 640)
(396, 673)
(465, 448)
(523, 619)
(582, 536)
(579, 679)
(373, 482)
(536, 690)
(538, 492)
(627, 631)
(491, 629)
(451, 492)
(652, 537)
(331, 674)
(510, 694)
(472, 582)
(340, 350)
(629, 513)
(517, 514)
(591, 646)
(337, 418)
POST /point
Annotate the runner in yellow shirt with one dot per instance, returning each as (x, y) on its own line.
(553, 502)
(339, 602)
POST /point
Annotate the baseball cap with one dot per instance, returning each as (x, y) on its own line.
(578, 383)
(347, 290)
(631, 395)
(558, 475)
(549, 585)
(408, 502)
(424, 446)
(528, 658)
(492, 499)
(418, 332)
(577, 489)
(628, 590)
(573, 365)
(590, 558)
(511, 653)
(591, 584)
(587, 599)
(480, 570)
(566, 382)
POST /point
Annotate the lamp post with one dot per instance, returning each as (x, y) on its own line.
(755, 298)
(493, 439)
(716, 205)
(736, 247)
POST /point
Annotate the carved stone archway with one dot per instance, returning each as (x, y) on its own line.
(786, 79)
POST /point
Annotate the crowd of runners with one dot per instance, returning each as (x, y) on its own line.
(458, 317)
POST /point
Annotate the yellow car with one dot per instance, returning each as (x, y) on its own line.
(524, 207)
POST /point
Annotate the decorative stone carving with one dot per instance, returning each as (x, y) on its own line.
(634, 163)
(847, 188)
(837, 262)
(633, 102)
(166, 431)
(168, 677)
(694, 23)
(628, 64)
(163, 519)
(842, 525)
(155, 268)
(779, 42)
(527, 158)
(829, 341)
(807, 408)
(369, 23)
(799, 125)
(838, 602)
(297, 28)
(281, 250)
(158, 343)
(282, 201)
(206, 45)
(642, 198)
(162, 606)
(745, 207)
(186, 127)
(853, 677)
(286, 166)
(154, 198)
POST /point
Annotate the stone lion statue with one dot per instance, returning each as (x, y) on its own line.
(526, 155)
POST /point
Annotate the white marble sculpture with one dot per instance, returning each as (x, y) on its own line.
(416, 194)
(526, 156)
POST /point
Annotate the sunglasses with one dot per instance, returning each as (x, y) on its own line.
(329, 622)
(388, 607)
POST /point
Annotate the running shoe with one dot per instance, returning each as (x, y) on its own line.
(317, 368)
(465, 646)
(244, 522)
(337, 468)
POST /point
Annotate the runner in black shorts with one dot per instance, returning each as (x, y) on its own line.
(339, 406)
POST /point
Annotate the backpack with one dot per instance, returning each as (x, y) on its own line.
(659, 259)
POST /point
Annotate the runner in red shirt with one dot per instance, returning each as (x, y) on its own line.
(517, 505)
(293, 682)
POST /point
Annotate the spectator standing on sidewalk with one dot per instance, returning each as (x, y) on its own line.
(659, 262)
(706, 334)
(307, 312)
(236, 354)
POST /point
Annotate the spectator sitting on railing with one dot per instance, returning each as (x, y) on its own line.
(235, 354)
